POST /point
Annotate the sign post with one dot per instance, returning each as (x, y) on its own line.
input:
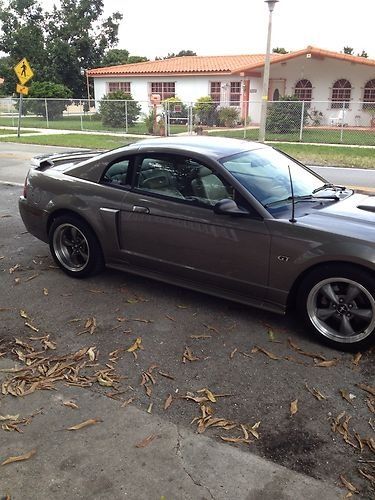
(24, 74)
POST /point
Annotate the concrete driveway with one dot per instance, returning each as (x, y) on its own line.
(291, 415)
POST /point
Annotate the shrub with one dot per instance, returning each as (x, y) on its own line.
(58, 99)
(229, 116)
(113, 113)
(284, 116)
(205, 111)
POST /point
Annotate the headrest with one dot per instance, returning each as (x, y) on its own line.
(204, 171)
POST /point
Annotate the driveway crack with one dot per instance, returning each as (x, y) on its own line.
(180, 456)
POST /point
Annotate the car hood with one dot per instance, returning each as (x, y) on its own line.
(353, 216)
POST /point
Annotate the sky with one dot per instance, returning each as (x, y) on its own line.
(219, 27)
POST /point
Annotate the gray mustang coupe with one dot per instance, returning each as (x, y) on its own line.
(235, 219)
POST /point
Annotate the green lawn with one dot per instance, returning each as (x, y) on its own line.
(329, 155)
(325, 136)
(84, 122)
(92, 141)
(4, 131)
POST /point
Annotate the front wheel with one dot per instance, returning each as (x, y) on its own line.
(74, 247)
(338, 304)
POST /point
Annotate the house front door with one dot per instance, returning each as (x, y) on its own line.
(276, 89)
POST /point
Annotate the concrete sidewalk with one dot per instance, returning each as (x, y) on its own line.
(103, 462)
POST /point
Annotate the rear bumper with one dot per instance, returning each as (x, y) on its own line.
(34, 218)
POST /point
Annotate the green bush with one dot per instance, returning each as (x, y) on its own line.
(284, 116)
(113, 113)
(228, 117)
(205, 112)
(58, 96)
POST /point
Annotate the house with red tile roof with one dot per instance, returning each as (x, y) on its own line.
(329, 82)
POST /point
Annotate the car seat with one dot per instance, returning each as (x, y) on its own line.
(208, 186)
(159, 181)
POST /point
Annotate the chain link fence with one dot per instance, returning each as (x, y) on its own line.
(324, 122)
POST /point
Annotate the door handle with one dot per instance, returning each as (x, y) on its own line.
(141, 210)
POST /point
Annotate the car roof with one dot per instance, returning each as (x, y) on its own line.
(216, 147)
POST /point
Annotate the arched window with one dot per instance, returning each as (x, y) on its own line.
(369, 95)
(303, 90)
(341, 92)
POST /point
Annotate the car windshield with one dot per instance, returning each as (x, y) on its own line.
(264, 173)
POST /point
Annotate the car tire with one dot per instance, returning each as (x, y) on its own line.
(337, 302)
(75, 247)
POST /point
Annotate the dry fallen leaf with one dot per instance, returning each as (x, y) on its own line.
(45, 291)
(188, 355)
(327, 363)
(271, 355)
(347, 396)
(348, 485)
(19, 458)
(233, 353)
(168, 402)
(356, 358)
(235, 440)
(367, 388)
(82, 425)
(146, 441)
(71, 404)
(166, 375)
(293, 407)
(136, 345)
(315, 392)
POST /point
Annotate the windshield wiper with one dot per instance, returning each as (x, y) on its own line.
(329, 185)
(306, 197)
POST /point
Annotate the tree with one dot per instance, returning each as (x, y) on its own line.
(348, 50)
(363, 54)
(137, 59)
(182, 53)
(58, 43)
(10, 78)
(115, 57)
(279, 50)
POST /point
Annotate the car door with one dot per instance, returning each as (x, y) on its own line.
(168, 226)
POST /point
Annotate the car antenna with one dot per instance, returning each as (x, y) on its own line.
(292, 219)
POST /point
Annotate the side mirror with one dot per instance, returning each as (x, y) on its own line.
(229, 207)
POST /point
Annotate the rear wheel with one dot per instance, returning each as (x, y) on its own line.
(338, 304)
(74, 247)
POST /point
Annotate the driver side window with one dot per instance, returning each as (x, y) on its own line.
(182, 178)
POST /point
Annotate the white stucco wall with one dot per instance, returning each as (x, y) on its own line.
(323, 73)
(187, 88)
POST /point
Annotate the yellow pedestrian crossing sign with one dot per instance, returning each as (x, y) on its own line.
(23, 71)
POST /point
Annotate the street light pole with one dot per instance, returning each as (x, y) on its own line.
(266, 75)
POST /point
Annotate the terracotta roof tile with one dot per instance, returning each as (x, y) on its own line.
(181, 65)
(314, 51)
(216, 64)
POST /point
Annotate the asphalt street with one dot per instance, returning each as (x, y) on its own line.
(252, 368)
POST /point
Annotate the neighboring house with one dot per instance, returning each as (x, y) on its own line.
(332, 83)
